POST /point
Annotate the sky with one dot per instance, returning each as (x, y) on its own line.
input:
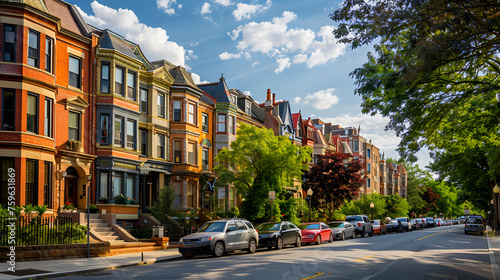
(286, 46)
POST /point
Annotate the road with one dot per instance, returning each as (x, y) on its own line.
(436, 253)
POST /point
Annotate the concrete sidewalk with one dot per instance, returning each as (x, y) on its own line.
(59, 267)
(494, 252)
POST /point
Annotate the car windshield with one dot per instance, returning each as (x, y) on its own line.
(350, 219)
(376, 222)
(474, 221)
(269, 227)
(306, 226)
(336, 225)
(213, 227)
(401, 219)
(393, 221)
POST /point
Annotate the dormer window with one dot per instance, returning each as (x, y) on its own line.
(248, 108)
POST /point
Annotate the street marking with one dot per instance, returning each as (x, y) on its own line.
(365, 258)
(311, 277)
(429, 236)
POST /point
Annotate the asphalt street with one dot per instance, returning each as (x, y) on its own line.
(436, 253)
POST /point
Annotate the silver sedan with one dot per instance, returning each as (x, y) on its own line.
(342, 230)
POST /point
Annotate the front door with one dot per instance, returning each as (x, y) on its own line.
(71, 191)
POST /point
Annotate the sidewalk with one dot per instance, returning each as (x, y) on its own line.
(494, 252)
(59, 267)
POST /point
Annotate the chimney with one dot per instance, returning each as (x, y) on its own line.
(274, 98)
(268, 94)
(268, 99)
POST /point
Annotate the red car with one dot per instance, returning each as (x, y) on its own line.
(316, 232)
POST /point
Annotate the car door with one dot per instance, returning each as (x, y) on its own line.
(285, 233)
(294, 232)
(325, 232)
(232, 236)
(244, 235)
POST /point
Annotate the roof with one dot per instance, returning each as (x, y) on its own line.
(218, 90)
(295, 118)
(113, 41)
(68, 14)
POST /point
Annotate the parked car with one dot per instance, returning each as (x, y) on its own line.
(277, 235)
(417, 224)
(406, 223)
(474, 224)
(342, 230)
(361, 224)
(394, 225)
(316, 232)
(220, 236)
(439, 222)
(379, 227)
(430, 222)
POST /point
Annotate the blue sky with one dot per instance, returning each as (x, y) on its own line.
(286, 46)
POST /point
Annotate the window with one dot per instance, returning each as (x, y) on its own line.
(231, 125)
(131, 85)
(248, 107)
(119, 80)
(192, 153)
(160, 102)
(8, 112)
(129, 187)
(48, 117)
(368, 168)
(5, 164)
(9, 43)
(221, 123)
(33, 48)
(118, 131)
(47, 184)
(204, 159)
(177, 151)
(191, 113)
(368, 183)
(74, 126)
(104, 129)
(105, 78)
(356, 146)
(49, 49)
(144, 142)
(143, 101)
(368, 153)
(74, 71)
(117, 185)
(103, 185)
(204, 122)
(191, 195)
(32, 112)
(177, 194)
(31, 182)
(177, 111)
(130, 134)
(161, 146)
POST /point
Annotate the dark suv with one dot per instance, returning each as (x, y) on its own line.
(220, 236)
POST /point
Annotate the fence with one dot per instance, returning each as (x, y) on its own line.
(26, 230)
(175, 231)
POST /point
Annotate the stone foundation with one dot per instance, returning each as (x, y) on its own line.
(50, 252)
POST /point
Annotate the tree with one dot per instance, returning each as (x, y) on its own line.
(379, 205)
(333, 180)
(396, 206)
(430, 197)
(259, 162)
(433, 59)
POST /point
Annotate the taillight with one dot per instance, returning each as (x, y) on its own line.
(359, 224)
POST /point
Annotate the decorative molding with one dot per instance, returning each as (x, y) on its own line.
(76, 103)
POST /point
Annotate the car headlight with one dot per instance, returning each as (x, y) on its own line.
(181, 240)
(206, 238)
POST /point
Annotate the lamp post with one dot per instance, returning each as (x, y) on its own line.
(309, 194)
(89, 179)
(496, 189)
(371, 207)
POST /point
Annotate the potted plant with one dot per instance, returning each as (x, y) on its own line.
(120, 199)
(134, 201)
(103, 199)
(93, 209)
(69, 206)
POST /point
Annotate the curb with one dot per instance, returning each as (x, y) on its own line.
(66, 273)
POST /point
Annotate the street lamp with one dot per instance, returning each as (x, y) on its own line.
(309, 194)
(89, 179)
(496, 190)
(371, 207)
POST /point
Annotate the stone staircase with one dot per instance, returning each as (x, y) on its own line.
(117, 244)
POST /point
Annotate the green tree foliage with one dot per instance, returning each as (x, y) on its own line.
(396, 206)
(333, 180)
(379, 203)
(259, 162)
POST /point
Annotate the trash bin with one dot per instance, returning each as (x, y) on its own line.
(158, 231)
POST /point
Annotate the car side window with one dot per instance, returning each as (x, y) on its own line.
(284, 227)
(324, 227)
(292, 226)
(240, 225)
(249, 225)
(231, 227)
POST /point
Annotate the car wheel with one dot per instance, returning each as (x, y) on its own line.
(353, 235)
(331, 238)
(298, 241)
(252, 246)
(363, 233)
(318, 240)
(279, 243)
(187, 256)
(342, 236)
(371, 232)
(218, 249)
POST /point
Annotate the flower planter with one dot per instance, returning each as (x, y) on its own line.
(119, 208)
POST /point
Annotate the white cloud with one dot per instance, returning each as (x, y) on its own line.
(166, 6)
(276, 38)
(226, 55)
(247, 92)
(197, 79)
(223, 2)
(154, 42)
(255, 63)
(246, 11)
(205, 9)
(297, 99)
(321, 100)
(194, 44)
(283, 63)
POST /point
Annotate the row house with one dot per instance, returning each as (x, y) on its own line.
(46, 62)
(393, 179)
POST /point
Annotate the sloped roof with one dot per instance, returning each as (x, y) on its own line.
(218, 90)
(68, 14)
(113, 41)
(295, 118)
